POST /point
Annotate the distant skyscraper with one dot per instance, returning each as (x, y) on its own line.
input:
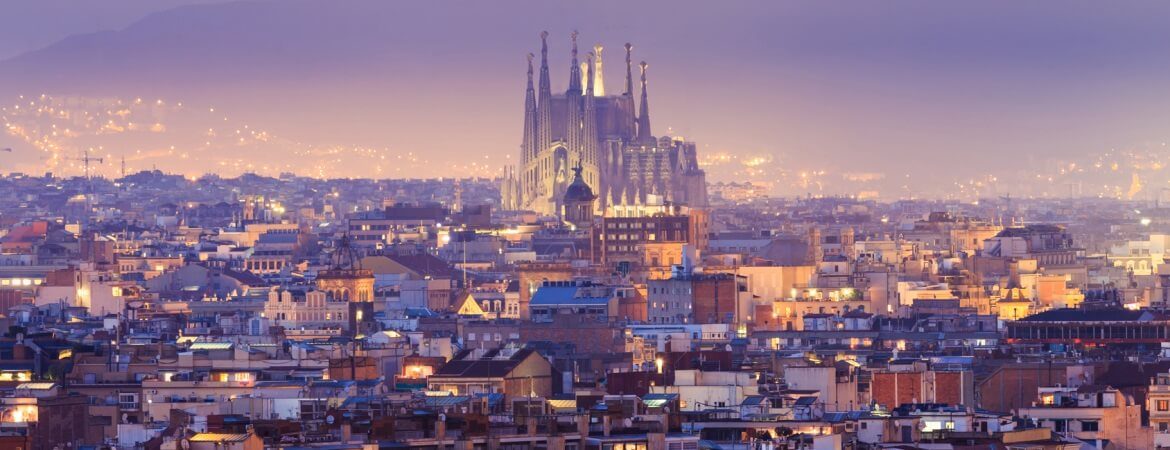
(602, 134)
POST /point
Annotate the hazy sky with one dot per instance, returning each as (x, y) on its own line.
(27, 25)
(958, 90)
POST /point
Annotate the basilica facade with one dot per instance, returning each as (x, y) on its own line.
(607, 136)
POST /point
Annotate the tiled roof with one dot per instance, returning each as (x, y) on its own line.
(564, 295)
(219, 437)
(482, 368)
(425, 265)
(563, 404)
(211, 346)
(1085, 315)
(453, 400)
(245, 277)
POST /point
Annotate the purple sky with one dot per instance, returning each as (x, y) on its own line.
(939, 90)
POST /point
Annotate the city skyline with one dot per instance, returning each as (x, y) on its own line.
(763, 88)
(605, 225)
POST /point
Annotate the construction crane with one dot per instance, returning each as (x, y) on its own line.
(85, 159)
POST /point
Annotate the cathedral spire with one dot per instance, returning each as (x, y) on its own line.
(589, 78)
(544, 82)
(597, 77)
(529, 144)
(644, 110)
(574, 68)
(589, 121)
(544, 108)
(574, 115)
(629, 70)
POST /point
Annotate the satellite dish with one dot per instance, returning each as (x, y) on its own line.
(329, 419)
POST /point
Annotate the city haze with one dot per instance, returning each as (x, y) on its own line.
(1043, 99)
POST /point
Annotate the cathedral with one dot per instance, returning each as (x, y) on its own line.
(606, 137)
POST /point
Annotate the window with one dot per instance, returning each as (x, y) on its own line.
(128, 401)
(1089, 425)
(1163, 405)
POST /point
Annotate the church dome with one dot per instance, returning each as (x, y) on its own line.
(578, 190)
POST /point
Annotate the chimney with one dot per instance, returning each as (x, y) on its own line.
(583, 425)
(656, 440)
(441, 428)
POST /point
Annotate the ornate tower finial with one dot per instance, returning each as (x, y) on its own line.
(543, 60)
(644, 110)
(598, 78)
(629, 69)
(575, 68)
(589, 74)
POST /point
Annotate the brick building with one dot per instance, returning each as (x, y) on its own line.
(912, 381)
